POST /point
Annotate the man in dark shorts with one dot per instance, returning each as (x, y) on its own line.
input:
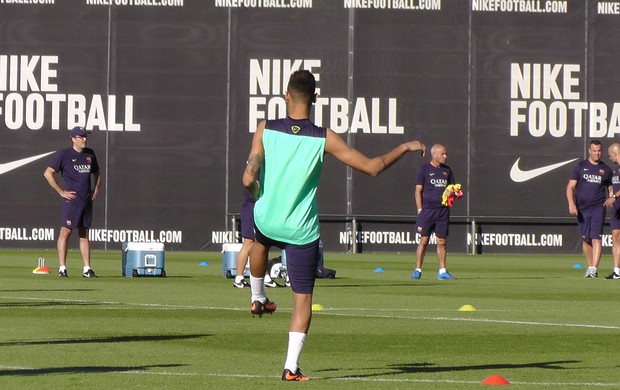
(76, 165)
(586, 192)
(247, 235)
(433, 216)
(613, 204)
(289, 154)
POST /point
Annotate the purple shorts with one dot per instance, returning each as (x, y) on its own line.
(247, 220)
(301, 262)
(591, 223)
(75, 215)
(614, 218)
(433, 220)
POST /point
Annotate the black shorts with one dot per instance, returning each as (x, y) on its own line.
(301, 262)
(591, 223)
(433, 220)
(75, 215)
(247, 220)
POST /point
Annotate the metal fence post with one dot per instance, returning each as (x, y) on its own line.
(354, 235)
(474, 243)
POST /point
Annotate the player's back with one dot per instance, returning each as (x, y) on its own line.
(287, 209)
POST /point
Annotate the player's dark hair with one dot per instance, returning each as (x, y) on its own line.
(302, 82)
(595, 142)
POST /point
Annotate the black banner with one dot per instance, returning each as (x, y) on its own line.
(172, 91)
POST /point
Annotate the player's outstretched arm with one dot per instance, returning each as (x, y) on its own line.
(358, 161)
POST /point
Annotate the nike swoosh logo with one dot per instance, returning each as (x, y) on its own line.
(7, 167)
(517, 175)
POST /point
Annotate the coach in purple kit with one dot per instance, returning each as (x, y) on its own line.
(433, 216)
(76, 165)
(586, 191)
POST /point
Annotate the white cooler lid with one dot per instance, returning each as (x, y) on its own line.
(231, 247)
(143, 246)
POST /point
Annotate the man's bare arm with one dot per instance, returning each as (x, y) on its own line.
(255, 160)
(370, 166)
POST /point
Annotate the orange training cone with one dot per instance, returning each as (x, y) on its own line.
(41, 269)
(495, 380)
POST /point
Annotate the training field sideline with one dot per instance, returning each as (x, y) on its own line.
(535, 321)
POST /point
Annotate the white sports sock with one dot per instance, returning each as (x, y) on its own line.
(296, 342)
(617, 270)
(442, 270)
(62, 268)
(238, 278)
(85, 269)
(258, 289)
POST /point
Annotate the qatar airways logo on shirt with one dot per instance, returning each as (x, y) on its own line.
(268, 82)
(546, 100)
(439, 182)
(82, 168)
(593, 178)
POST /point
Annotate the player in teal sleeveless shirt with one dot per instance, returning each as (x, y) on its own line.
(289, 155)
(286, 209)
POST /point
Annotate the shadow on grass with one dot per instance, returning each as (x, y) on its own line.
(94, 340)
(50, 290)
(46, 304)
(421, 368)
(117, 277)
(80, 370)
(515, 278)
(401, 284)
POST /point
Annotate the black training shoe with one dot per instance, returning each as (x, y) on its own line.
(612, 275)
(63, 274)
(89, 274)
(241, 284)
(258, 308)
(288, 376)
(270, 284)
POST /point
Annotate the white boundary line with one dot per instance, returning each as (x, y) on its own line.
(346, 379)
(376, 380)
(351, 378)
(399, 317)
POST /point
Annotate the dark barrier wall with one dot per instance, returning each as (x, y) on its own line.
(172, 91)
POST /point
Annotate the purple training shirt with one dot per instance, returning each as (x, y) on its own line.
(76, 169)
(592, 183)
(434, 182)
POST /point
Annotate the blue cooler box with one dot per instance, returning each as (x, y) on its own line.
(230, 252)
(143, 259)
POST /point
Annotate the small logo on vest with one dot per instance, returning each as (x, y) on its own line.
(295, 129)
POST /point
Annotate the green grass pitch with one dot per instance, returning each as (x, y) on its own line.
(539, 323)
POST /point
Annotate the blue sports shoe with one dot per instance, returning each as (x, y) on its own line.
(416, 274)
(445, 276)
